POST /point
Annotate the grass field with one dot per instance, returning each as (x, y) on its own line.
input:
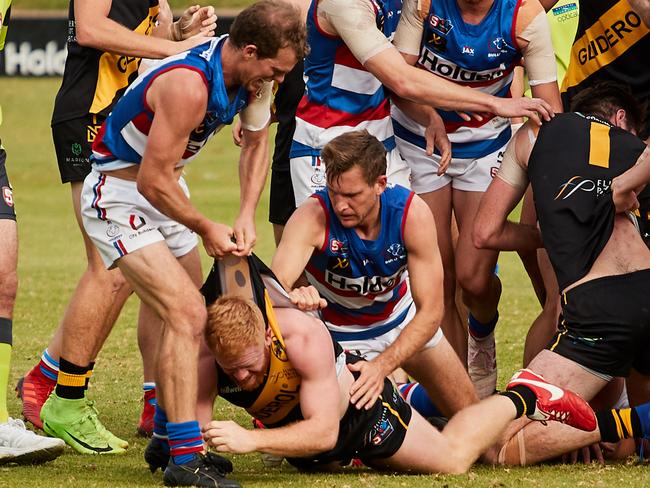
(51, 260)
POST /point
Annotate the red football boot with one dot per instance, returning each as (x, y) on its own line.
(145, 425)
(555, 403)
(33, 389)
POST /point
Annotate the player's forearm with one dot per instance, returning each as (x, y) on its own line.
(108, 35)
(300, 439)
(420, 86)
(166, 195)
(253, 168)
(422, 114)
(510, 236)
(635, 177)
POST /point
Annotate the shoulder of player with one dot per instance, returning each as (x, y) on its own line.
(419, 222)
(528, 10)
(302, 334)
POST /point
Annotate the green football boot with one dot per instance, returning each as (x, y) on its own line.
(77, 424)
(112, 439)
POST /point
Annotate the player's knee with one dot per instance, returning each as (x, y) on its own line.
(456, 460)
(188, 318)
(111, 281)
(473, 283)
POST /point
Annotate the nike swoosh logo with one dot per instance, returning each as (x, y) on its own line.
(87, 446)
(556, 393)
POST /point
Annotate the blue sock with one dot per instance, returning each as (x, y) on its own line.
(415, 395)
(160, 427)
(643, 411)
(479, 330)
(185, 441)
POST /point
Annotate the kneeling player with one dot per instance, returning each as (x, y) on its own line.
(282, 366)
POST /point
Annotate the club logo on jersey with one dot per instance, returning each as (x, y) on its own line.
(278, 349)
(337, 246)
(441, 25)
(468, 50)
(318, 178)
(497, 47)
(395, 252)
(8, 196)
(112, 230)
(578, 183)
(76, 148)
(381, 432)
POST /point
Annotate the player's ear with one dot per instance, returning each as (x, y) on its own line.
(381, 183)
(249, 51)
(267, 336)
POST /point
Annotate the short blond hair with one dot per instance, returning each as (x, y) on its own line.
(234, 323)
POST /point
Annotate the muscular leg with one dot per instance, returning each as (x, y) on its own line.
(95, 303)
(538, 442)
(638, 388)
(8, 289)
(475, 267)
(443, 376)
(454, 450)
(177, 301)
(149, 332)
(439, 203)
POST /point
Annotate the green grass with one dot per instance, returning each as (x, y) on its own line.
(51, 260)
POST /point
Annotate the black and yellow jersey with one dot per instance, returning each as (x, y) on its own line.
(611, 43)
(276, 401)
(571, 168)
(94, 80)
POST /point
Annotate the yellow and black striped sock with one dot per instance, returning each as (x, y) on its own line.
(618, 423)
(71, 383)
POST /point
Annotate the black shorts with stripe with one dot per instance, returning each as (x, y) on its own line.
(377, 433)
(73, 145)
(606, 324)
(7, 210)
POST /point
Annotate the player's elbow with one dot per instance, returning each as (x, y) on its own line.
(86, 36)
(400, 86)
(483, 235)
(326, 437)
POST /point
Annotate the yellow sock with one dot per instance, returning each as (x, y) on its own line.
(5, 361)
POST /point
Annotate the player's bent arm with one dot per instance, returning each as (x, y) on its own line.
(421, 86)
(534, 40)
(425, 276)
(626, 186)
(304, 233)
(157, 178)
(492, 229)
(94, 29)
(309, 349)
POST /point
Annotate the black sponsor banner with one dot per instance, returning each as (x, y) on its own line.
(37, 46)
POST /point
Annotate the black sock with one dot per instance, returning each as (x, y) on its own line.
(71, 382)
(89, 373)
(523, 398)
(617, 424)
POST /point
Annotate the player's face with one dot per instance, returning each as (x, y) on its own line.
(354, 201)
(256, 71)
(247, 368)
